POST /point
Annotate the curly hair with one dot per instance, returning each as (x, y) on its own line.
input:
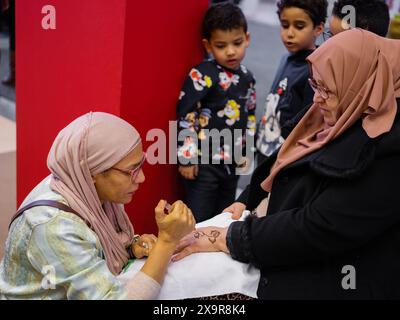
(371, 15)
(224, 16)
(316, 9)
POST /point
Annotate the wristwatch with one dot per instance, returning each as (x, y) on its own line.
(136, 238)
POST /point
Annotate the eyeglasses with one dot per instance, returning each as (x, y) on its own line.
(133, 172)
(327, 34)
(323, 92)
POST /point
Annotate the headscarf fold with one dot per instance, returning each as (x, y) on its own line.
(363, 71)
(89, 145)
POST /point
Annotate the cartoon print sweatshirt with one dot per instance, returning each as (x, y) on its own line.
(214, 97)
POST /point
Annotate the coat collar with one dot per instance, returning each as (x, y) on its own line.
(300, 56)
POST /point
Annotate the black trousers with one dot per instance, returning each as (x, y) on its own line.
(212, 191)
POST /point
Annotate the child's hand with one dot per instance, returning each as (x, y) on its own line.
(189, 172)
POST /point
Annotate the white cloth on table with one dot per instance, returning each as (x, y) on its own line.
(204, 274)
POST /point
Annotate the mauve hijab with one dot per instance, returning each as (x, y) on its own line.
(90, 145)
(363, 71)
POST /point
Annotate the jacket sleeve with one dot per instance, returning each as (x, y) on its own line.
(289, 125)
(69, 254)
(196, 86)
(301, 99)
(345, 216)
(244, 195)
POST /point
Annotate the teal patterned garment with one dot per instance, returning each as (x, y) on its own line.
(53, 254)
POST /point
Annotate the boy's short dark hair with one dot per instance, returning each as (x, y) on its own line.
(224, 16)
(371, 15)
(316, 9)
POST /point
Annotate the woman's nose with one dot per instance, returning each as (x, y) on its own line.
(317, 98)
(140, 177)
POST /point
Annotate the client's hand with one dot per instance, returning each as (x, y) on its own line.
(206, 239)
(143, 247)
(236, 209)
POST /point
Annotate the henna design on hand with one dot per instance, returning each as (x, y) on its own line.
(212, 237)
(198, 234)
(215, 235)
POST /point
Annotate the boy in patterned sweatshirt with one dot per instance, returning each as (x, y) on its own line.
(219, 97)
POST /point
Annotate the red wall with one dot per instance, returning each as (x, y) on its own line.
(162, 43)
(123, 57)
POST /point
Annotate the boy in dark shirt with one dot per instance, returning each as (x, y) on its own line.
(302, 21)
(218, 95)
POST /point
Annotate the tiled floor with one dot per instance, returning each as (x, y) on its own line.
(7, 145)
(7, 176)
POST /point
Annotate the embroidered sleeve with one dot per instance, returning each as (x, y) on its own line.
(72, 256)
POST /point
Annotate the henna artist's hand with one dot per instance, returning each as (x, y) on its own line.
(174, 226)
(208, 239)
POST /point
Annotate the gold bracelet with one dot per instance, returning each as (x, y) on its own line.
(135, 239)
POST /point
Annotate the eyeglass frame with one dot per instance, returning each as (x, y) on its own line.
(133, 172)
(323, 92)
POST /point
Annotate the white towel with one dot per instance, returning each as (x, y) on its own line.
(205, 274)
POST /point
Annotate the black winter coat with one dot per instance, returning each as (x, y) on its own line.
(337, 207)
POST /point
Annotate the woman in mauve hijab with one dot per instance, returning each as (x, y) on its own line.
(77, 251)
(332, 226)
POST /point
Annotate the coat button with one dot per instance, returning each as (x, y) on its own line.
(264, 281)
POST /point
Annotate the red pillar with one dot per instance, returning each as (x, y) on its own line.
(123, 57)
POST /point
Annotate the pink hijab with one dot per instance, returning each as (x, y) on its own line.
(363, 71)
(90, 145)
